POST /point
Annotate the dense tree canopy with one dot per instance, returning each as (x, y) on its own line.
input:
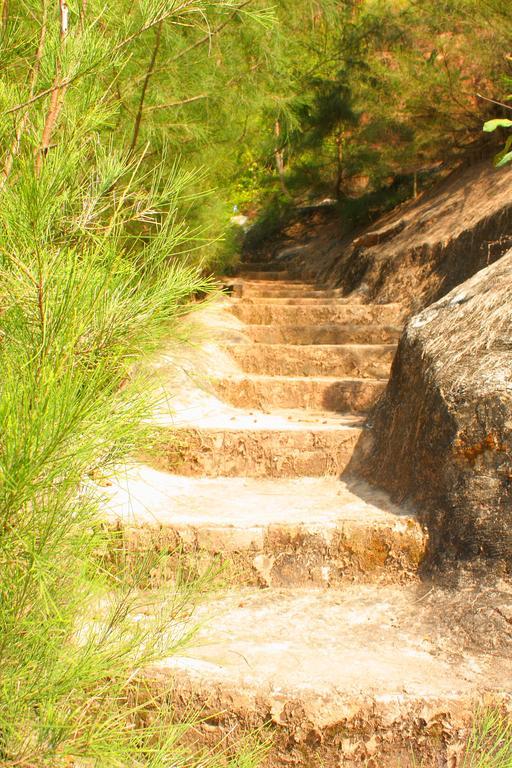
(334, 95)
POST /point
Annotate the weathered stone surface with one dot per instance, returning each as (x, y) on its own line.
(376, 236)
(269, 533)
(284, 275)
(344, 395)
(333, 333)
(424, 248)
(297, 301)
(366, 314)
(367, 676)
(261, 266)
(260, 290)
(442, 434)
(304, 297)
(290, 449)
(354, 360)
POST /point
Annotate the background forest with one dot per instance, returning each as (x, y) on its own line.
(129, 131)
(320, 97)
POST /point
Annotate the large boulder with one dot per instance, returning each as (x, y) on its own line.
(441, 436)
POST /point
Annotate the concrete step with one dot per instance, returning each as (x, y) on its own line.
(256, 445)
(261, 266)
(324, 333)
(269, 533)
(380, 676)
(271, 275)
(298, 301)
(355, 314)
(316, 393)
(263, 290)
(356, 360)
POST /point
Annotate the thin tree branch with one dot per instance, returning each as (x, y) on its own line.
(147, 78)
(237, 79)
(57, 97)
(212, 33)
(493, 101)
(83, 13)
(176, 103)
(21, 266)
(279, 156)
(64, 19)
(202, 40)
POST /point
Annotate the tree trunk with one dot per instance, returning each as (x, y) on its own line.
(278, 153)
(339, 164)
(57, 94)
(22, 124)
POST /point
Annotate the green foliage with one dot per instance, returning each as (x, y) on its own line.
(368, 91)
(274, 214)
(505, 156)
(490, 742)
(98, 265)
(491, 125)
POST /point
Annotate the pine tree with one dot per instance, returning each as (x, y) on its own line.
(95, 271)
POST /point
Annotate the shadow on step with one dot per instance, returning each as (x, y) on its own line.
(351, 396)
(358, 479)
(468, 606)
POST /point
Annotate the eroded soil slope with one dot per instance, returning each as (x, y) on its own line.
(420, 252)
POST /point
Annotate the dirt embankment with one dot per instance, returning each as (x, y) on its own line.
(422, 250)
(416, 253)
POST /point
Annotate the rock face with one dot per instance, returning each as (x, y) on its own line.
(441, 436)
(426, 247)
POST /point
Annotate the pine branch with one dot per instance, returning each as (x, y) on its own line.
(15, 146)
(58, 94)
(82, 14)
(213, 32)
(493, 101)
(176, 103)
(88, 70)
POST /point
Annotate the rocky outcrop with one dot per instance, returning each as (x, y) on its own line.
(441, 436)
(424, 248)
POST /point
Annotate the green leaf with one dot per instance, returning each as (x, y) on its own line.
(491, 125)
(502, 159)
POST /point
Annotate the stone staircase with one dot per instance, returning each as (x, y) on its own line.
(323, 639)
